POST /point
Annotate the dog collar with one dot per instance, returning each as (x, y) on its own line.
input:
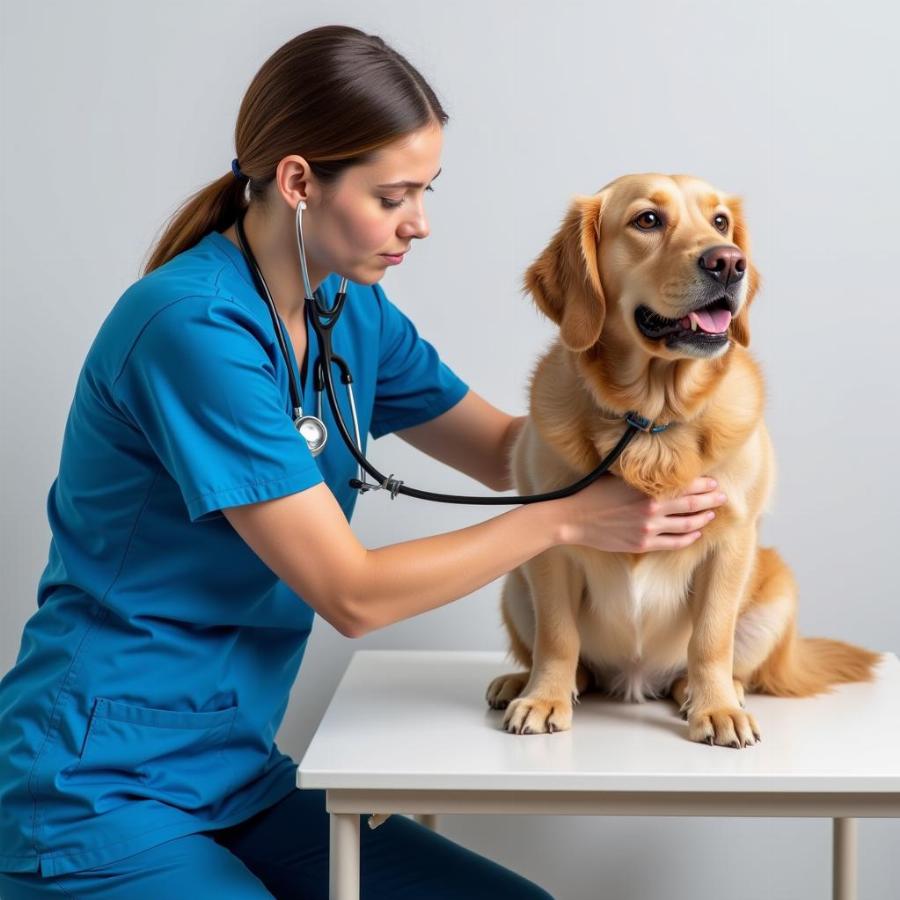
(642, 424)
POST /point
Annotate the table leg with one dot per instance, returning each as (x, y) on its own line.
(429, 820)
(343, 862)
(844, 859)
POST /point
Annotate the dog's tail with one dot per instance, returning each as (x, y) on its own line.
(801, 667)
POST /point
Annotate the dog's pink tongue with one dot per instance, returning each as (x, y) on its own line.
(712, 321)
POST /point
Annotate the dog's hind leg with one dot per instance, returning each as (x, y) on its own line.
(772, 657)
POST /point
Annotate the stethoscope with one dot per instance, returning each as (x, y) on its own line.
(312, 429)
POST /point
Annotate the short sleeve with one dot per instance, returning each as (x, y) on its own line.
(414, 385)
(200, 384)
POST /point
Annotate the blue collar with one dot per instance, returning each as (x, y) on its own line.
(642, 424)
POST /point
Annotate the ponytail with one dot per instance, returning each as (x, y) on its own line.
(213, 208)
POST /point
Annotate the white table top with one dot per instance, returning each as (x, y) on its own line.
(418, 720)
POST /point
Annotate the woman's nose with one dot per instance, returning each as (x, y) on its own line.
(416, 226)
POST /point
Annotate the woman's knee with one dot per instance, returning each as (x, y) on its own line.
(404, 859)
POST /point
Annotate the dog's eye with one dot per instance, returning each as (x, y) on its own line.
(721, 222)
(647, 220)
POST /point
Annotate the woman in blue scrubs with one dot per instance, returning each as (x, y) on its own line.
(194, 535)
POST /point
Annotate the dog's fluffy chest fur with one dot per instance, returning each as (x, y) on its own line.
(634, 622)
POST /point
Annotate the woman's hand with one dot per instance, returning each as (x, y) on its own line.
(611, 515)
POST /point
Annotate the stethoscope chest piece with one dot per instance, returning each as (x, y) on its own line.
(313, 431)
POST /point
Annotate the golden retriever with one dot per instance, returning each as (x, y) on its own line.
(650, 282)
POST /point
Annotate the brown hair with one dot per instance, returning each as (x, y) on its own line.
(334, 95)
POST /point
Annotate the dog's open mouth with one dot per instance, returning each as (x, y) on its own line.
(706, 325)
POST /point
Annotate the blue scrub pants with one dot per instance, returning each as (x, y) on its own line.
(283, 852)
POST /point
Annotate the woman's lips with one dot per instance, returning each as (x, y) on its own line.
(393, 259)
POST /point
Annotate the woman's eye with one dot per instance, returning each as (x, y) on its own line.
(721, 222)
(648, 220)
(387, 203)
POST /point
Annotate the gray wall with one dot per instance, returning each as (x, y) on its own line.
(113, 112)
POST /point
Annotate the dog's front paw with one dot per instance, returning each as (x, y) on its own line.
(538, 715)
(681, 694)
(727, 726)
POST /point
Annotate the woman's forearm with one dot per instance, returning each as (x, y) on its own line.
(401, 580)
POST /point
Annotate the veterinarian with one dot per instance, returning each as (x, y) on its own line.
(189, 517)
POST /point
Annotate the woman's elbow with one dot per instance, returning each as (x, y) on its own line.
(353, 629)
(350, 620)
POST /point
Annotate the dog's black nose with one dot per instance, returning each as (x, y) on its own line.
(725, 263)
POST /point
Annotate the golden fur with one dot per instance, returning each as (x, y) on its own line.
(702, 623)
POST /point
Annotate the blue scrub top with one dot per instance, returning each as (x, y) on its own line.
(154, 674)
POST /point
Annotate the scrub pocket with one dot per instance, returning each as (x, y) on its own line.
(169, 755)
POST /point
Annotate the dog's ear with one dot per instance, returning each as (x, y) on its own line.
(740, 326)
(565, 279)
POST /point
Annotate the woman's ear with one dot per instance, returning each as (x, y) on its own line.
(740, 325)
(565, 279)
